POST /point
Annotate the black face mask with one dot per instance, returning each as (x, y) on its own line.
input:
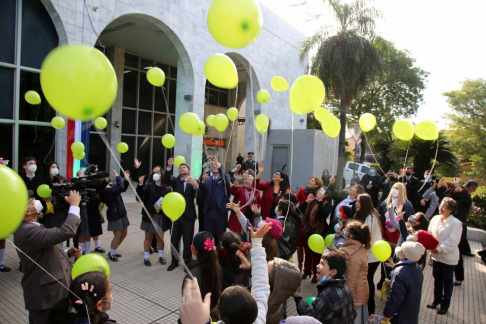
(408, 174)
(326, 176)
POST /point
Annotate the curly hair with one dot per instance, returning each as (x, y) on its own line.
(360, 232)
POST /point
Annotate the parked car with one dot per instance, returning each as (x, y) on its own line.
(351, 167)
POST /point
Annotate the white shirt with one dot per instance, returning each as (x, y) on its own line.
(448, 233)
(375, 230)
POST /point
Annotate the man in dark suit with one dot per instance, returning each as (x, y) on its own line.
(412, 185)
(184, 226)
(41, 290)
(216, 190)
(371, 183)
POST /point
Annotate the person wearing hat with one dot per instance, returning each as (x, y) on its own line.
(403, 303)
(250, 164)
(425, 238)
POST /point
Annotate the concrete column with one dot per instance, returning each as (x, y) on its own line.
(251, 135)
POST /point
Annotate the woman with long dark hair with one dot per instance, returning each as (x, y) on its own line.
(233, 259)
(272, 190)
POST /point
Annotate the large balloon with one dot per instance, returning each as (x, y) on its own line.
(44, 191)
(307, 93)
(261, 123)
(178, 160)
(367, 122)
(32, 97)
(58, 122)
(78, 81)
(173, 205)
(90, 262)
(168, 140)
(210, 120)
(221, 71)
(328, 240)
(201, 130)
(331, 126)
(279, 84)
(381, 250)
(403, 130)
(321, 113)
(220, 122)
(100, 123)
(13, 199)
(156, 76)
(189, 122)
(77, 147)
(263, 96)
(316, 243)
(235, 23)
(122, 147)
(232, 114)
(427, 130)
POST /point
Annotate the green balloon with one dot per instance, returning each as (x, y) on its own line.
(44, 191)
(316, 243)
(328, 240)
(310, 300)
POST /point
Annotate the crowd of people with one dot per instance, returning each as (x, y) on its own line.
(241, 259)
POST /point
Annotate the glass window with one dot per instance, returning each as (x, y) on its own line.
(143, 153)
(7, 26)
(144, 123)
(223, 99)
(173, 72)
(97, 152)
(159, 99)
(126, 159)
(145, 94)
(37, 141)
(130, 88)
(212, 97)
(6, 93)
(42, 112)
(159, 124)
(6, 142)
(39, 35)
(353, 166)
(146, 63)
(172, 95)
(171, 125)
(131, 60)
(164, 68)
(158, 151)
(365, 169)
(128, 121)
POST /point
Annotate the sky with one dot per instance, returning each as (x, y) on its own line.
(446, 38)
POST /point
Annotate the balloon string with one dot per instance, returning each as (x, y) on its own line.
(232, 128)
(372, 154)
(291, 151)
(405, 162)
(253, 112)
(52, 146)
(433, 166)
(167, 108)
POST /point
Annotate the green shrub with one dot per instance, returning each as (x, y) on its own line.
(477, 216)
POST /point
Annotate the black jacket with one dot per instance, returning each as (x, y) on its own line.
(403, 302)
(412, 186)
(189, 193)
(375, 189)
(111, 196)
(287, 243)
(464, 203)
(149, 197)
(33, 184)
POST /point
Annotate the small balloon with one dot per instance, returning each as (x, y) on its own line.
(221, 71)
(279, 84)
(328, 240)
(189, 122)
(79, 156)
(367, 122)
(13, 199)
(427, 130)
(100, 123)
(307, 93)
(77, 147)
(156, 76)
(261, 123)
(232, 114)
(90, 262)
(263, 96)
(32, 97)
(381, 250)
(235, 23)
(331, 126)
(336, 228)
(58, 122)
(44, 191)
(316, 243)
(221, 122)
(168, 140)
(201, 130)
(178, 160)
(173, 205)
(321, 113)
(403, 130)
(122, 147)
(210, 120)
(310, 300)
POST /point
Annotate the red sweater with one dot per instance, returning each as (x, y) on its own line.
(239, 196)
(267, 197)
(301, 196)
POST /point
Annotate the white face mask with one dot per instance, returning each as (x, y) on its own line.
(276, 211)
(54, 172)
(156, 177)
(32, 168)
(395, 193)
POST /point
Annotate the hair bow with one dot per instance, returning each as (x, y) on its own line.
(208, 244)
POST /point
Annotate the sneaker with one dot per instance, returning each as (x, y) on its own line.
(112, 257)
(162, 261)
(99, 250)
(147, 262)
(4, 268)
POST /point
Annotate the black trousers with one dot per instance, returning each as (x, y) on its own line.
(464, 248)
(185, 228)
(443, 283)
(371, 285)
(39, 317)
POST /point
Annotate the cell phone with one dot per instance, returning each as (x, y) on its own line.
(323, 191)
(448, 180)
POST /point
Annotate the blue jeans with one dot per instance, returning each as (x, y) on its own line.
(443, 283)
(215, 222)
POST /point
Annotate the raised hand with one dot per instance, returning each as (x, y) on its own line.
(256, 209)
(141, 179)
(115, 173)
(261, 168)
(235, 207)
(245, 264)
(137, 163)
(261, 232)
(236, 184)
(127, 174)
(310, 198)
(193, 309)
(170, 163)
(73, 199)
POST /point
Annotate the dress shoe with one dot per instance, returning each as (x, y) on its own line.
(442, 310)
(457, 283)
(172, 266)
(306, 275)
(314, 279)
(469, 254)
(118, 255)
(99, 249)
(162, 261)
(147, 262)
(112, 257)
(4, 268)
(433, 305)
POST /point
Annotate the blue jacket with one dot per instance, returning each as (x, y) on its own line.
(111, 196)
(222, 191)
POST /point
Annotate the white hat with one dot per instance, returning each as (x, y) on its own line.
(413, 251)
(38, 206)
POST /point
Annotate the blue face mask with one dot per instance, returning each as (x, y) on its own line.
(372, 172)
(325, 279)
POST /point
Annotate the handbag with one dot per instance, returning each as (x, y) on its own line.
(385, 290)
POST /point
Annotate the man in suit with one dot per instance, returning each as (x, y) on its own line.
(184, 226)
(41, 290)
(371, 183)
(412, 185)
(32, 181)
(216, 190)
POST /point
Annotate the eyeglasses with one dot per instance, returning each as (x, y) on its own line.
(114, 290)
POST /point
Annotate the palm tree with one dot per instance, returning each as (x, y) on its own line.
(347, 61)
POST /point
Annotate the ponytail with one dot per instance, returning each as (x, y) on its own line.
(359, 232)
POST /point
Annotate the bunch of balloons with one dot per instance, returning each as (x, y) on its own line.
(78, 150)
(13, 199)
(426, 130)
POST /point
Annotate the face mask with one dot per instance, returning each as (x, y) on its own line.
(372, 172)
(426, 176)
(32, 168)
(325, 278)
(54, 172)
(395, 193)
(276, 211)
(411, 220)
(156, 177)
(408, 174)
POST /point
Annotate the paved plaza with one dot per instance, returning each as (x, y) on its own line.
(153, 295)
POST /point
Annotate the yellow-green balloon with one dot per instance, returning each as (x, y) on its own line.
(178, 160)
(328, 240)
(331, 126)
(279, 84)
(168, 140)
(403, 130)
(13, 199)
(381, 250)
(122, 147)
(189, 122)
(156, 76)
(316, 243)
(173, 205)
(79, 156)
(427, 130)
(201, 130)
(367, 122)
(232, 114)
(58, 122)
(263, 96)
(100, 123)
(221, 122)
(221, 71)
(32, 97)
(235, 23)
(44, 191)
(261, 123)
(210, 120)
(90, 262)
(78, 81)
(321, 113)
(77, 147)
(307, 93)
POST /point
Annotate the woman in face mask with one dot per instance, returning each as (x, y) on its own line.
(245, 195)
(152, 194)
(54, 216)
